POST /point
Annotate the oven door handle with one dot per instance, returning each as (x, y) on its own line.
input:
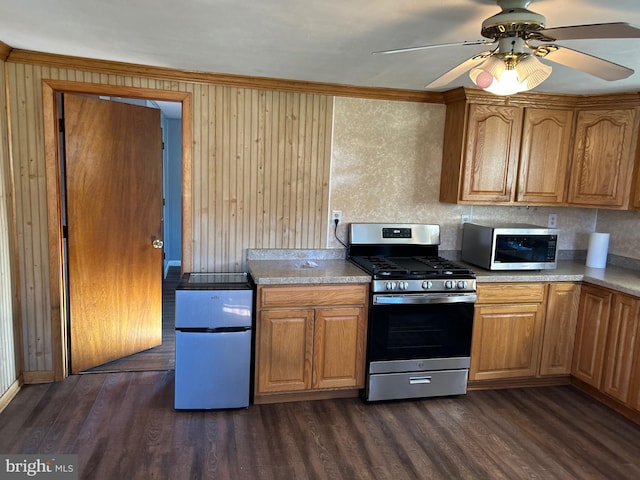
(422, 298)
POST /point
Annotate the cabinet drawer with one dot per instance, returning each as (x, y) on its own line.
(318, 295)
(510, 293)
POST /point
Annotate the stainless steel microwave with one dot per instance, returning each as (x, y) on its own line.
(514, 246)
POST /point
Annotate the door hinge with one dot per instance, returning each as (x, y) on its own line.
(61, 125)
(162, 145)
(65, 231)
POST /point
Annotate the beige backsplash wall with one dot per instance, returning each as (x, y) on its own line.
(385, 167)
(624, 228)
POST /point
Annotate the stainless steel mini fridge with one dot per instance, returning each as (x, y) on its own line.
(214, 314)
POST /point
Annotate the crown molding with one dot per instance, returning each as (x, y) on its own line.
(241, 81)
(5, 51)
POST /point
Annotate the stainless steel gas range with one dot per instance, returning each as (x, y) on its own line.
(420, 313)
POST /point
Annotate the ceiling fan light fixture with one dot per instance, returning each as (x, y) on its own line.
(508, 75)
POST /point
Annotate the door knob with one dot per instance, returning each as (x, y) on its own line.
(157, 243)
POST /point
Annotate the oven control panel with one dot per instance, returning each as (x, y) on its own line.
(466, 285)
(402, 232)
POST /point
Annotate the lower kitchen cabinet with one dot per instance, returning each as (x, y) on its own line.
(285, 350)
(621, 348)
(506, 341)
(607, 351)
(524, 331)
(309, 339)
(591, 334)
(507, 330)
(563, 299)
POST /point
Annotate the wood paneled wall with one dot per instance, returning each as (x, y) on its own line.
(261, 173)
(259, 176)
(9, 370)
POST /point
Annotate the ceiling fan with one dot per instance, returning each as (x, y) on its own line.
(520, 38)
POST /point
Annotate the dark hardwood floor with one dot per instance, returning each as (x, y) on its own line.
(123, 426)
(161, 357)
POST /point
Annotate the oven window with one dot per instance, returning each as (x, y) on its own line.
(525, 248)
(404, 332)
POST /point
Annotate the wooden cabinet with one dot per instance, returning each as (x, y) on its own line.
(310, 338)
(607, 351)
(544, 156)
(621, 355)
(284, 350)
(636, 189)
(507, 331)
(559, 328)
(591, 334)
(489, 160)
(541, 149)
(603, 157)
(505, 154)
(524, 331)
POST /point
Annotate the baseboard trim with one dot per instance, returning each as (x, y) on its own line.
(171, 263)
(605, 399)
(304, 396)
(495, 384)
(11, 392)
(43, 376)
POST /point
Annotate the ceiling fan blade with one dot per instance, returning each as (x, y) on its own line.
(598, 30)
(584, 62)
(438, 45)
(461, 69)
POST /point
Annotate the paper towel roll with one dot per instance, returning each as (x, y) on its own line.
(597, 252)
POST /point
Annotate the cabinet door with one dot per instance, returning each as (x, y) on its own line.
(603, 158)
(284, 348)
(339, 344)
(622, 338)
(544, 155)
(591, 335)
(559, 328)
(506, 341)
(636, 189)
(491, 156)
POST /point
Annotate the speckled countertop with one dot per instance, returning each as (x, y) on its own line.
(291, 266)
(279, 267)
(280, 272)
(616, 278)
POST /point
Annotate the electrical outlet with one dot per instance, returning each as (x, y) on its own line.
(465, 218)
(336, 215)
(553, 220)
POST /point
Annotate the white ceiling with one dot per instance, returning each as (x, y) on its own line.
(322, 41)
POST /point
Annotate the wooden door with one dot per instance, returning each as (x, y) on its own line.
(603, 157)
(622, 338)
(338, 349)
(559, 328)
(506, 341)
(591, 335)
(491, 156)
(114, 214)
(544, 154)
(284, 349)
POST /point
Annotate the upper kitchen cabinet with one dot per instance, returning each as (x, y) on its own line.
(544, 154)
(603, 157)
(499, 153)
(480, 153)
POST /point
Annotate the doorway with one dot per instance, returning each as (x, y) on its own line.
(59, 304)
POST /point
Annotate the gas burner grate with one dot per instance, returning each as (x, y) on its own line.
(416, 267)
